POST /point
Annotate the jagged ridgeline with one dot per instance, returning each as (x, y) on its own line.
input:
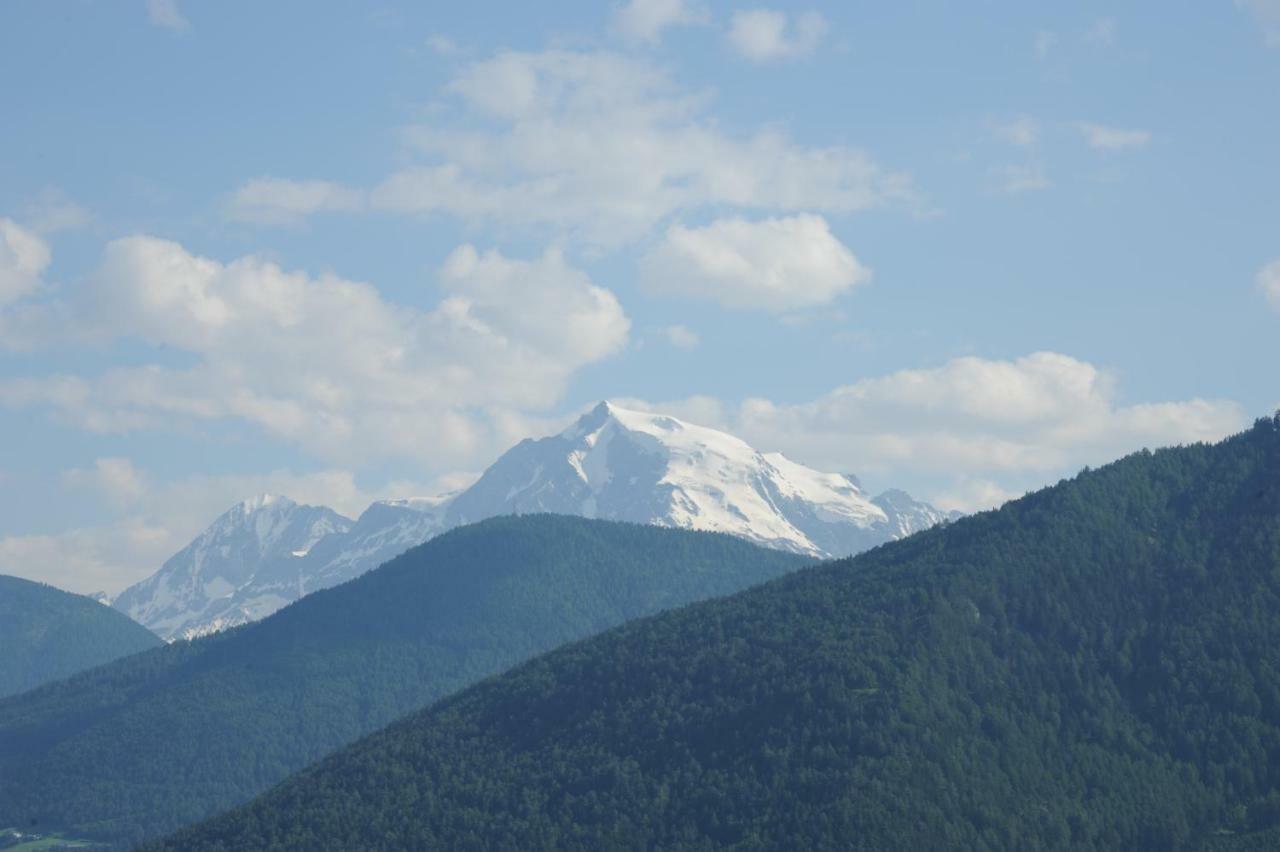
(154, 742)
(47, 634)
(1096, 665)
(613, 463)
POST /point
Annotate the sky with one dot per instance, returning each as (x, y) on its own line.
(350, 251)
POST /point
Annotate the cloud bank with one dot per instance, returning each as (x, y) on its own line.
(322, 362)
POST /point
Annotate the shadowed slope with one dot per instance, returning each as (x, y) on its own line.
(165, 738)
(47, 634)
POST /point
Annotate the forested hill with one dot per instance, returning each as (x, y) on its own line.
(1096, 665)
(47, 634)
(159, 740)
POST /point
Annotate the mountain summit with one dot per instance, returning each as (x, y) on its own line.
(614, 463)
(245, 566)
(627, 465)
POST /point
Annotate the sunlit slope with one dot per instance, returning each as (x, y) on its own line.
(1096, 665)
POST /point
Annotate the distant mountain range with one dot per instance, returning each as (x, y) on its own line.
(613, 463)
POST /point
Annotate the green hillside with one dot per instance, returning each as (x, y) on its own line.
(1095, 666)
(162, 739)
(47, 634)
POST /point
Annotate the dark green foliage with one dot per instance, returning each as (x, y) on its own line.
(165, 738)
(47, 634)
(1095, 666)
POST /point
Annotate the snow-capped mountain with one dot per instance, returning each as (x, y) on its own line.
(648, 468)
(245, 566)
(613, 463)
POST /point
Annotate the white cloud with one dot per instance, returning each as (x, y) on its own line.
(1269, 283)
(86, 560)
(545, 305)
(23, 258)
(776, 264)
(1042, 412)
(969, 433)
(1017, 179)
(682, 337)
(1267, 14)
(277, 201)
(645, 20)
(164, 13)
(115, 479)
(327, 364)
(1107, 138)
(602, 147)
(1023, 131)
(766, 35)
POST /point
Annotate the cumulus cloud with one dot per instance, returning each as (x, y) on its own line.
(1269, 283)
(545, 306)
(164, 13)
(766, 35)
(277, 201)
(1107, 138)
(645, 20)
(775, 264)
(1042, 412)
(326, 363)
(23, 258)
(602, 147)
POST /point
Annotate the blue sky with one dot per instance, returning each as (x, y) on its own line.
(349, 251)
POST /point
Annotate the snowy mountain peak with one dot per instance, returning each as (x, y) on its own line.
(647, 467)
(613, 462)
(593, 420)
(244, 566)
(663, 427)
